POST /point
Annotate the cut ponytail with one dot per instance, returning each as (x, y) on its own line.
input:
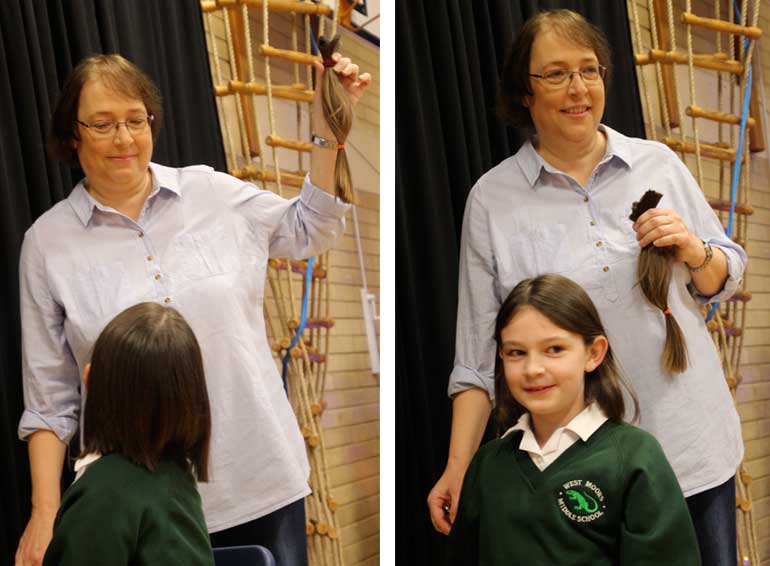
(653, 270)
(338, 113)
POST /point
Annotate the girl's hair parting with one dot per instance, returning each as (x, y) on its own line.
(653, 270)
(147, 397)
(568, 306)
(338, 113)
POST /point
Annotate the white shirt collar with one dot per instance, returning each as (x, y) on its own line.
(82, 463)
(584, 424)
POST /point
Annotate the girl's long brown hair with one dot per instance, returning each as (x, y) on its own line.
(338, 113)
(147, 397)
(568, 306)
(653, 270)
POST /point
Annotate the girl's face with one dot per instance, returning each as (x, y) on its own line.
(544, 366)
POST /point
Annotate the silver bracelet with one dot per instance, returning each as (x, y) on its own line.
(709, 254)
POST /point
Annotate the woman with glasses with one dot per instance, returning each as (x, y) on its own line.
(562, 205)
(192, 238)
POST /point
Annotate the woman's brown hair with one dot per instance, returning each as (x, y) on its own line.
(514, 82)
(338, 113)
(117, 74)
(147, 397)
(568, 306)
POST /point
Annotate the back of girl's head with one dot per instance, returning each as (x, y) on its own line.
(147, 397)
(568, 306)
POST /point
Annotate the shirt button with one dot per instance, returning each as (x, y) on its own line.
(599, 244)
(585, 199)
(167, 300)
(593, 222)
(141, 234)
(157, 277)
(605, 269)
(149, 258)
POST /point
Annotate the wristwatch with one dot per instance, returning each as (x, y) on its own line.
(321, 142)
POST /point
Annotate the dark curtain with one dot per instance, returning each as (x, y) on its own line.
(40, 42)
(448, 58)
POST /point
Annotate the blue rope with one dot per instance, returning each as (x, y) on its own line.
(302, 321)
(313, 44)
(738, 157)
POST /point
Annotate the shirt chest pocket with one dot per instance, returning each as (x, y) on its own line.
(206, 253)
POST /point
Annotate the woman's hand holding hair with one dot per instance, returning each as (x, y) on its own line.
(664, 227)
(322, 160)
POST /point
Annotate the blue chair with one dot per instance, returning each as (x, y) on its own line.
(253, 555)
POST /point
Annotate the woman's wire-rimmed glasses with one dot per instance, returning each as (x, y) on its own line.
(107, 128)
(590, 74)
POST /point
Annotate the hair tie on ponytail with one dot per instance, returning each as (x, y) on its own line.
(667, 312)
(338, 113)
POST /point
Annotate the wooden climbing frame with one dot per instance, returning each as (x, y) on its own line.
(248, 151)
(732, 71)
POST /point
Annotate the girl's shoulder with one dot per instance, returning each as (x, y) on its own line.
(636, 448)
(112, 473)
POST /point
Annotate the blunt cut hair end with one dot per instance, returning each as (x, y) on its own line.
(515, 81)
(119, 75)
(653, 270)
(568, 306)
(147, 397)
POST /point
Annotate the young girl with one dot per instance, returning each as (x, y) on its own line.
(568, 482)
(146, 439)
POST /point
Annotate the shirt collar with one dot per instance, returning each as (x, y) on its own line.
(584, 424)
(83, 203)
(532, 163)
(83, 462)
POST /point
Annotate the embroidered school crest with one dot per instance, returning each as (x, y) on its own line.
(581, 501)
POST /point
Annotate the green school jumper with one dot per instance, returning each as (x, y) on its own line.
(120, 514)
(613, 500)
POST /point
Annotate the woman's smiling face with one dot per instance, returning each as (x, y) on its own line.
(120, 160)
(571, 111)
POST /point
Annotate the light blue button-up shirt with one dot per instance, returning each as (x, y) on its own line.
(525, 218)
(201, 245)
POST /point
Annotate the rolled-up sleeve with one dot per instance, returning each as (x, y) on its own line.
(706, 225)
(50, 374)
(736, 265)
(310, 225)
(478, 303)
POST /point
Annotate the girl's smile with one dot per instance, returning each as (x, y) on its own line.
(544, 368)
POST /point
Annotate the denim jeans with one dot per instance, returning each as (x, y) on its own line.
(282, 531)
(713, 514)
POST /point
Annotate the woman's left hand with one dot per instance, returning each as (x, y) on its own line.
(355, 85)
(663, 227)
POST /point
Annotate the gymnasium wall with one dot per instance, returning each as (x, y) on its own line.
(351, 418)
(753, 392)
